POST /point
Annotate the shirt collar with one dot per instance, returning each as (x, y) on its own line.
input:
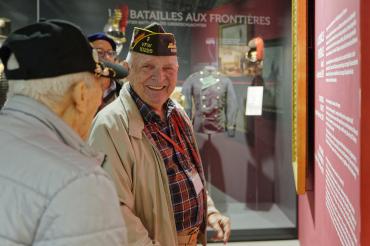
(146, 112)
(112, 87)
(29, 107)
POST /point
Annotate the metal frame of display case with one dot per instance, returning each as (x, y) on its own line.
(260, 234)
(299, 94)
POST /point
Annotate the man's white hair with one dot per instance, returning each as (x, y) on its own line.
(53, 88)
(129, 58)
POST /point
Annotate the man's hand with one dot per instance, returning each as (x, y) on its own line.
(221, 224)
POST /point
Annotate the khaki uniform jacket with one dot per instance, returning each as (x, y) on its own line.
(139, 173)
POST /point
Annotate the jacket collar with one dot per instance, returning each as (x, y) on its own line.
(30, 110)
(135, 121)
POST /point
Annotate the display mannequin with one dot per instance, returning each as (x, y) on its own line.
(210, 101)
(251, 63)
(253, 67)
(259, 128)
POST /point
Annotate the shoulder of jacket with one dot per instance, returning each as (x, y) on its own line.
(111, 114)
(122, 114)
(194, 77)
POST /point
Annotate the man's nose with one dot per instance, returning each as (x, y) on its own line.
(159, 74)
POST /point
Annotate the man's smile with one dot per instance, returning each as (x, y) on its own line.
(156, 87)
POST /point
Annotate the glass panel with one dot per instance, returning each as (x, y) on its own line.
(246, 150)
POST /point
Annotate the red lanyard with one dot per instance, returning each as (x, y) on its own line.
(174, 144)
(178, 121)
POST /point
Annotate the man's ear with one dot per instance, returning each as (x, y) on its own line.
(79, 96)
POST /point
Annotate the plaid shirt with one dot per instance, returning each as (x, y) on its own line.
(186, 204)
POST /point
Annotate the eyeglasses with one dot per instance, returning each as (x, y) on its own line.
(109, 53)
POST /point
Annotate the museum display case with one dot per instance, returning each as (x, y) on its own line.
(235, 83)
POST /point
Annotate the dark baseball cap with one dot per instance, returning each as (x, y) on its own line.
(52, 48)
(102, 36)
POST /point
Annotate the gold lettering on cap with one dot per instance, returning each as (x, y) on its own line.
(147, 45)
(146, 50)
(171, 46)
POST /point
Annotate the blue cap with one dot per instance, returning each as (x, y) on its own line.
(102, 36)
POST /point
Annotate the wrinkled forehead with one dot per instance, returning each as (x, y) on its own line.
(141, 59)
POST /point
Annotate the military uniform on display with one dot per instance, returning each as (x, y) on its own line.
(215, 103)
(211, 103)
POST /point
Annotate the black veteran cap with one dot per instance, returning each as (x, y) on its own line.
(52, 48)
(153, 40)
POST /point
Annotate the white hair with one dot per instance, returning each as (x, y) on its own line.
(129, 58)
(53, 88)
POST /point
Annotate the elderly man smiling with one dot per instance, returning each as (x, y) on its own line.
(152, 154)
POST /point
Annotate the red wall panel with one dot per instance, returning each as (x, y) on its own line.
(365, 123)
(331, 215)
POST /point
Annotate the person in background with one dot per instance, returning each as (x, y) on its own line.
(152, 154)
(106, 48)
(53, 189)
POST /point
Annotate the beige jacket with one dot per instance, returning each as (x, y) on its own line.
(139, 173)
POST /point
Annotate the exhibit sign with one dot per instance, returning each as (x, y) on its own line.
(254, 100)
(191, 19)
(337, 120)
